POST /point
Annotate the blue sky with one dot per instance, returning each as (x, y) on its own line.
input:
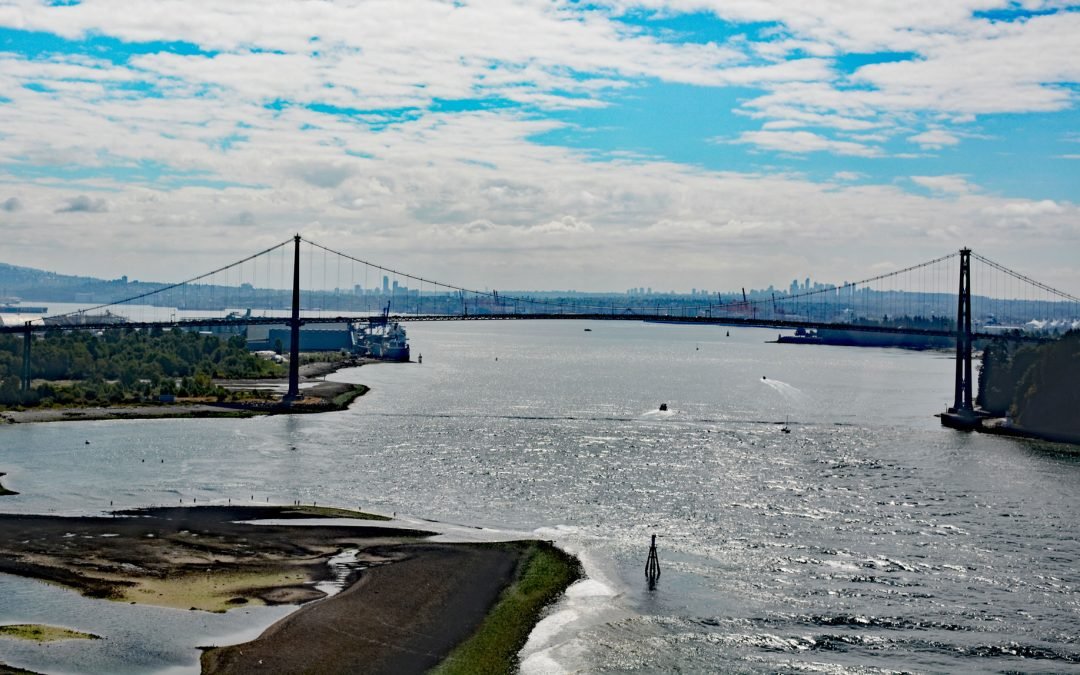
(508, 141)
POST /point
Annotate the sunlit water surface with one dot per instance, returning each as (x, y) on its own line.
(869, 539)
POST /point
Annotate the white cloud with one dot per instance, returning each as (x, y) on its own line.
(953, 184)
(800, 142)
(960, 66)
(934, 139)
(436, 191)
(1031, 208)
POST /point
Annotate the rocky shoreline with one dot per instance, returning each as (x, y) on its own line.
(1002, 426)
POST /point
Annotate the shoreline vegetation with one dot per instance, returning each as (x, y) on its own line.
(130, 374)
(1031, 391)
(417, 603)
(247, 398)
(543, 575)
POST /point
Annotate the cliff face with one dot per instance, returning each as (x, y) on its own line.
(1038, 386)
(1048, 395)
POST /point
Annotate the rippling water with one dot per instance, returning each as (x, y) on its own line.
(869, 539)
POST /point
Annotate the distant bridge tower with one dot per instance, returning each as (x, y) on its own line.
(27, 341)
(294, 328)
(962, 394)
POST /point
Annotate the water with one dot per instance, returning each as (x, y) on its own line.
(869, 539)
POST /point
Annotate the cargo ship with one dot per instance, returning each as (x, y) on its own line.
(386, 341)
(11, 306)
(857, 338)
(381, 339)
(76, 319)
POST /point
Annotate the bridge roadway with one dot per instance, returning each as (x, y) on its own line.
(403, 318)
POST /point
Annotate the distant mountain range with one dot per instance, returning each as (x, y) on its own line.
(33, 284)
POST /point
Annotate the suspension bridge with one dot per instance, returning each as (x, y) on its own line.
(962, 296)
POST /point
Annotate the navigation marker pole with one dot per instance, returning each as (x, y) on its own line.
(652, 566)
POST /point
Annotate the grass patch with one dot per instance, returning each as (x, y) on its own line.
(37, 632)
(545, 572)
(332, 512)
(343, 400)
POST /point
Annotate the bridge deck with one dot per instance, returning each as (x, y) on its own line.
(660, 318)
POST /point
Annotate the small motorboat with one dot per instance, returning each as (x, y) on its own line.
(588, 330)
(663, 407)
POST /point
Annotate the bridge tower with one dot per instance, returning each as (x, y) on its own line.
(962, 403)
(27, 341)
(294, 329)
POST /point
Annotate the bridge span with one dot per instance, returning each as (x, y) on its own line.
(909, 301)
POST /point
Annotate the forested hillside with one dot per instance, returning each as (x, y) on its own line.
(1037, 385)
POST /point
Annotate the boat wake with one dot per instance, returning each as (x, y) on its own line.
(658, 413)
(793, 394)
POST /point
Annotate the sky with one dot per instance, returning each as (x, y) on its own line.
(543, 143)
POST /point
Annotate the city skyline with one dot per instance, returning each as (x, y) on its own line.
(678, 145)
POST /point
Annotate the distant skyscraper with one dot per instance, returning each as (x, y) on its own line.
(385, 284)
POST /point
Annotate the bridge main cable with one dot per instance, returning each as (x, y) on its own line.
(1024, 278)
(454, 287)
(172, 286)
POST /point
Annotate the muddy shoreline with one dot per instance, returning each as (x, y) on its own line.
(407, 604)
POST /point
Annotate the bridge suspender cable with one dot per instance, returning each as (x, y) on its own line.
(176, 285)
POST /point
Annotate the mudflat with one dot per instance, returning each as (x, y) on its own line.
(191, 558)
(406, 604)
